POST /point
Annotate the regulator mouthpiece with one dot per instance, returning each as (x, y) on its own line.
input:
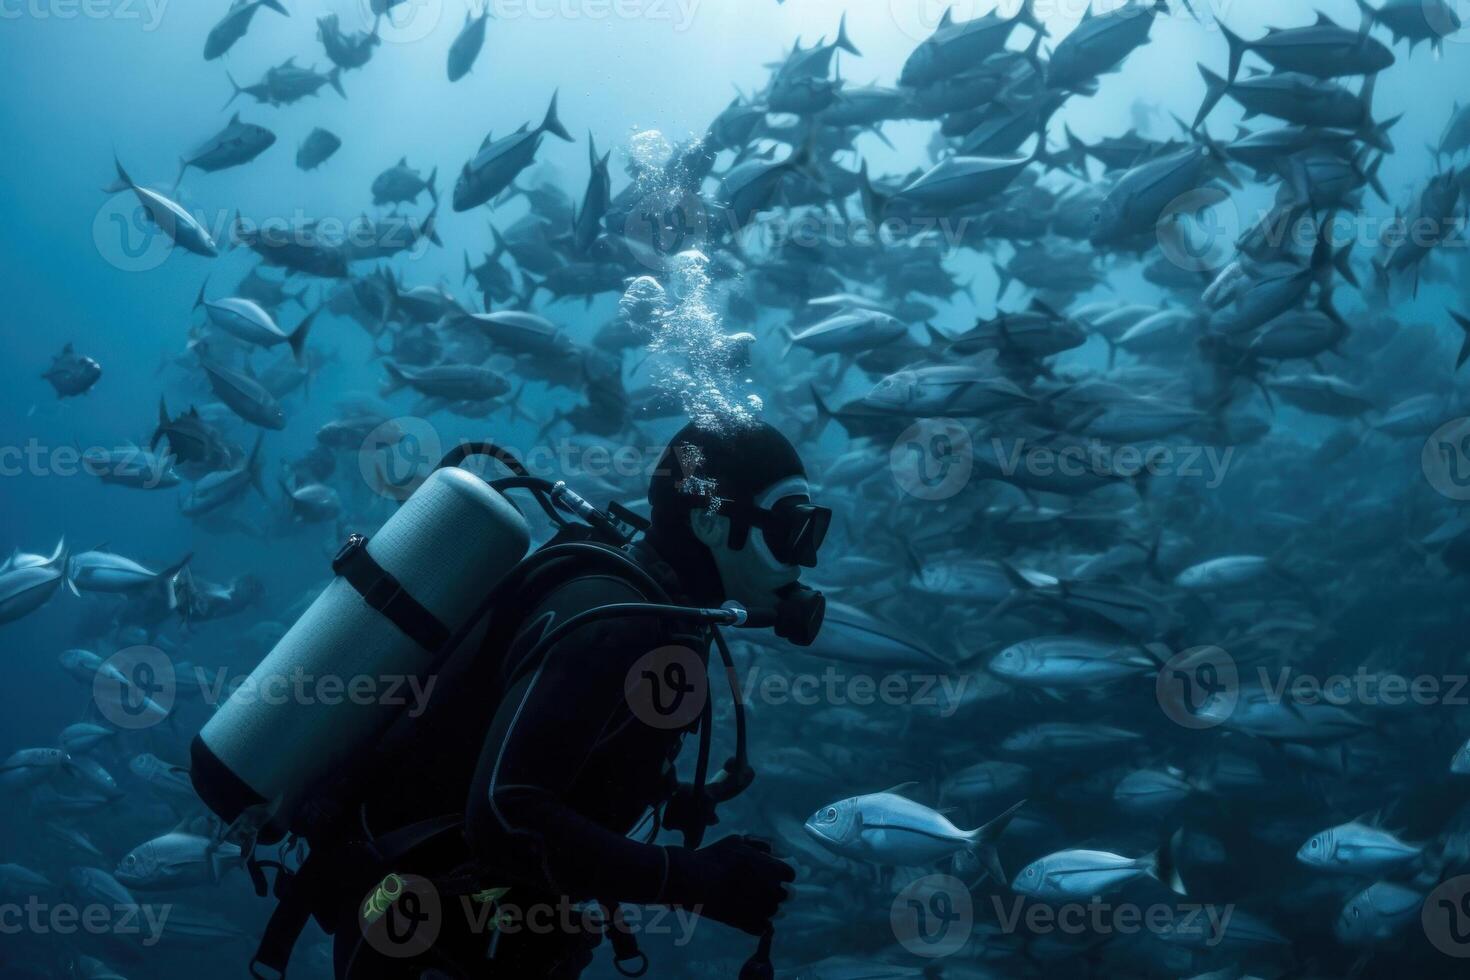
(799, 614)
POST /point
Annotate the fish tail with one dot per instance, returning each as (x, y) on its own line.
(123, 182)
(253, 466)
(1238, 47)
(396, 378)
(1381, 277)
(429, 184)
(1027, 15)
(874, 203)
(552, 123)
(980, 852)
(236, 86)
(1464, 325)
(824, 414)
(277, 6)
(1162, 866)
(1215, 89)
(297, 339)
(177, 567)
(843, 41)
(1370, 16)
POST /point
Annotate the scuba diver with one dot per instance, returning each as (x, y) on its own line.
(498, 823)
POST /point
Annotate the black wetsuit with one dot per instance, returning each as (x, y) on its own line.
(552, 768)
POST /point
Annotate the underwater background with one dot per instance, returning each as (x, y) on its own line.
(1342, 508)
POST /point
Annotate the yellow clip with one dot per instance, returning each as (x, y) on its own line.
(489, 895)
(382, 898)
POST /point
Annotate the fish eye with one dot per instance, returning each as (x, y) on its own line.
(1312, 843)
(830, 813)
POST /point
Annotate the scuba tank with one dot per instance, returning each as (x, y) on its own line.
(390, 612)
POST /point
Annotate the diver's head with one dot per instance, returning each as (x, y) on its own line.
(732, 508)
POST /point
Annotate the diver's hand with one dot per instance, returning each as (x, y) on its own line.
(742, 885)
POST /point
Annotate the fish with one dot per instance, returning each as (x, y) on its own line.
(242, 393)
(1323, 50)
(1414, 21)
(1083, 874)
(886, 828)
(176, 860)
(287, 83)
(1378, 914)
(27, 582)
(317, 148)
(596, 199)
(498, 162)
(401, 183)
(246, 320)
(72, 374)
(1357, 848)
(234, 24)
(220, 487)
(234, 146)
(103, 571)
(1099, 44)
(27, 768)
(168, 216)
(347, 51)
(1070, 661)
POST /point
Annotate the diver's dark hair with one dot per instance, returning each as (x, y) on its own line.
(703, 467)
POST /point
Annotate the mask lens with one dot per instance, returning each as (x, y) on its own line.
(799, 531)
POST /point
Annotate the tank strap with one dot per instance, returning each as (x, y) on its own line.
(381, 591)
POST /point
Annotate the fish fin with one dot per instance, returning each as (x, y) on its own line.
(1027, 15)
(843, 41)
(238, 91)
(396, 378)
(297, 338)
(253, 466)
(1464, 325)
(1215, 89)
(552, 124)
(1238, 47)
(334, 78)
